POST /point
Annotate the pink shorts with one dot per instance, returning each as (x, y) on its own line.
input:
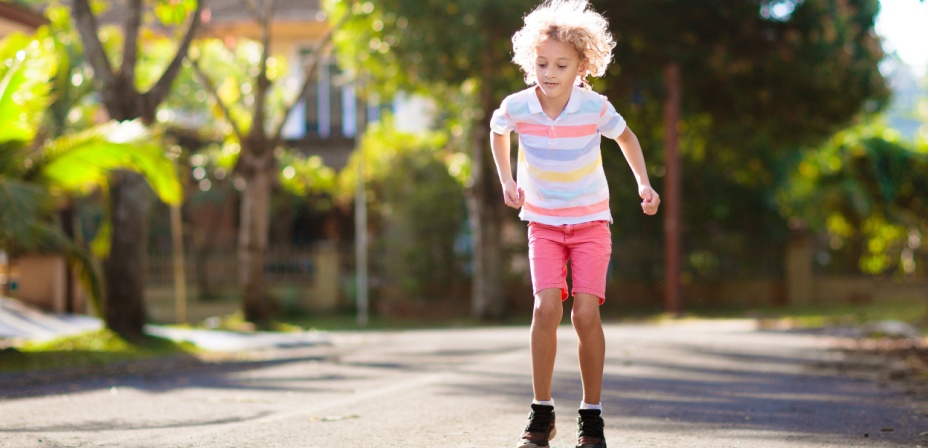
(588, 247)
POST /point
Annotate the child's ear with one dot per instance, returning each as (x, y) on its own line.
(581, 71)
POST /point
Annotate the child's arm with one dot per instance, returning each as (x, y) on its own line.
(628, 141)
(512, 194)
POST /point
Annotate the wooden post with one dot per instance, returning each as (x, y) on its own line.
(672, 190)
(180, 279)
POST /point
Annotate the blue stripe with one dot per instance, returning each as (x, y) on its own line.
(588, 106)
(518, 108)
(611, 125)
(567, 195)
(562, 155)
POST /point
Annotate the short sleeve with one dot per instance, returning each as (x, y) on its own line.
(501, 122)
(611, 125)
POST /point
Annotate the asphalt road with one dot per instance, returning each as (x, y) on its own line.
(701, 384)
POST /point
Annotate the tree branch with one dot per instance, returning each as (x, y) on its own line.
(131, 45)
(211, 89)
(319, 52)
(160, 90)
(86, 25)
(263, 84)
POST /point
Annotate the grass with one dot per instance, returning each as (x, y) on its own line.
(104, 347)
(819, 315)
(349, 322)
(236, 322)
(96, 348)
(810, 316)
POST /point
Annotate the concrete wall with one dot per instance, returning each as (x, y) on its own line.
(41, 281)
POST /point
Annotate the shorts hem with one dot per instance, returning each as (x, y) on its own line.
(600, 294)
(540, 288)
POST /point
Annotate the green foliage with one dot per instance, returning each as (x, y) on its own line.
(173, 12)
(767, 80)
(95, 348)
(416, 208)
(301, 175)
(418, 46)
(867, 190)
(81, 162)
(35, 177)
(24, 85)
(762, 83)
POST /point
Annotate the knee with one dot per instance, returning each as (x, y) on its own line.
(547, 313)
(584, 316)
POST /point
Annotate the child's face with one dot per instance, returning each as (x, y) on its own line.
(557, 66)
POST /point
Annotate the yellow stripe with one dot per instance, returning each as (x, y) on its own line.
(562, 176)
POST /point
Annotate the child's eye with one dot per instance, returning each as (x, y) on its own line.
(561, 67)
(542, 65)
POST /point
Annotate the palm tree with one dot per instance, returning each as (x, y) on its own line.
(36, 177)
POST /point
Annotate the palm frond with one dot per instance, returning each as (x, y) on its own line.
(11, 158)
(83, 161)
(89, 277)
(24, 86)
(21, 204)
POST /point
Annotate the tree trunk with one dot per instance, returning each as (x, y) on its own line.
(486, 214)
(124, 268)
(130, 196)
(253, 237)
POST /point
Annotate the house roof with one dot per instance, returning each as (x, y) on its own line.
(292, 19)
(287, 10)
(296, 19)
(232, 11)
(19, 18)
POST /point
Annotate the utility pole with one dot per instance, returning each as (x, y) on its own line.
(360, 243)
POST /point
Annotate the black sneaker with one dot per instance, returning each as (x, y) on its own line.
(540, 427)
(590, 429)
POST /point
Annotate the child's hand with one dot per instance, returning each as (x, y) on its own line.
(650, 199)
(513, 195)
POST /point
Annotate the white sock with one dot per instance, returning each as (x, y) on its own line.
(585, 405)
(546, 403)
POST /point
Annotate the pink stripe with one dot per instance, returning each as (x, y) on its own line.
(556, 131)
(570, 211)
(604, 110)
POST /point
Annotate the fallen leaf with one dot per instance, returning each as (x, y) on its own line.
(333, 418)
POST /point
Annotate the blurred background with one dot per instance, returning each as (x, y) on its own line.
(312, 161)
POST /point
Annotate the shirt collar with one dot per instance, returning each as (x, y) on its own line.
(573, 104)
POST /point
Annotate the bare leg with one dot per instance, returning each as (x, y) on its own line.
(545, 319)
(592, 346)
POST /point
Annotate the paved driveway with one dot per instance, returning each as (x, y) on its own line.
(703, 384)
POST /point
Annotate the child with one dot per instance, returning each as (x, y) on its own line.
(562, 193)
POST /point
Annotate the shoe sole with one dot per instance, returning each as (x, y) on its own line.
(532, 445)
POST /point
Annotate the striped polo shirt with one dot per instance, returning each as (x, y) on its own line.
(560, 163)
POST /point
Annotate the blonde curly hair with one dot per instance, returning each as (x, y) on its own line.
(572, 22)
